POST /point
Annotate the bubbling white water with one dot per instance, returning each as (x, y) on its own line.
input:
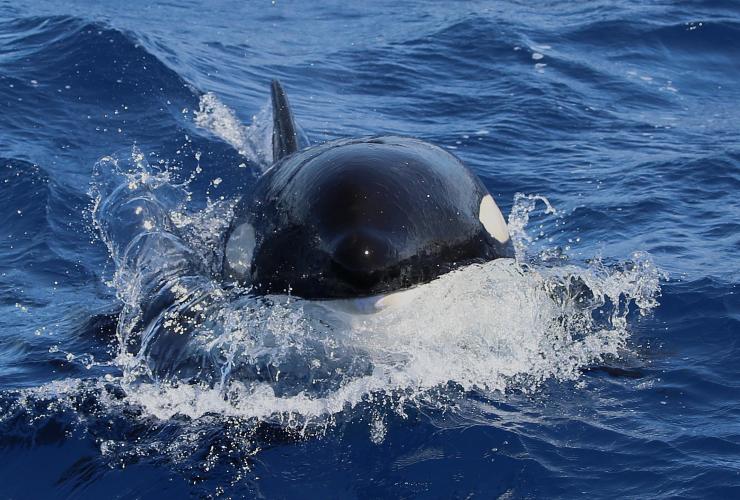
(509, 324)
(503, 325)
(492, 326)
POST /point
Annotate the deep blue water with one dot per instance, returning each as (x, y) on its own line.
(555, 376)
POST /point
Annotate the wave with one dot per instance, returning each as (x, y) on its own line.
(68, 51)
(95, 86)
(701, 37)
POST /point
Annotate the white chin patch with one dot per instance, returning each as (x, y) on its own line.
(376, 303)
(492, 219)
(397, 299)
(240, 248)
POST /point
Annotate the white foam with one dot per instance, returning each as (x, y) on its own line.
(505, 324)
(489, 327)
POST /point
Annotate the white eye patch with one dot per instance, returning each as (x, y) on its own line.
(240, 248)
(492, 219)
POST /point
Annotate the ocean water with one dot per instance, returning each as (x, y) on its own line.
(600, 363)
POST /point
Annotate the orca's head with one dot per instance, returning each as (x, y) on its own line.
(365, 217)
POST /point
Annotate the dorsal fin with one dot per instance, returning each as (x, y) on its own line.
(284, 139)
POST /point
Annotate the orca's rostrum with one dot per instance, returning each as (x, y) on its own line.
(359, 217)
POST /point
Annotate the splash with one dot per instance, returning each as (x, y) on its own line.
(253, 141)
(190, 346)
(519, 218)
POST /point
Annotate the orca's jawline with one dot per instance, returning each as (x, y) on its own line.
(329, 279)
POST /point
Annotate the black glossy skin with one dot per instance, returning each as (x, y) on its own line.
(361, 217)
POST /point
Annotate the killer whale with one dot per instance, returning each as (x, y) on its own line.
(359, 217)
